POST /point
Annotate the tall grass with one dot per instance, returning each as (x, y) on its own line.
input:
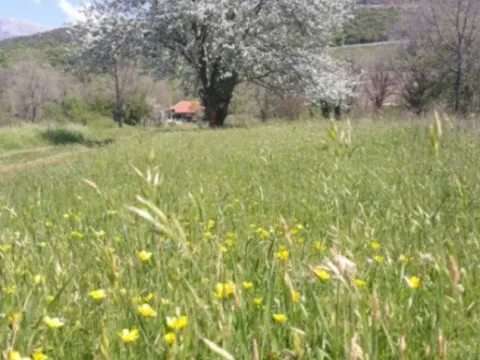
(277, 242)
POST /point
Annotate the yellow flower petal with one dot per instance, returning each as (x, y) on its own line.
(146, 310)
(170, 338)
(322, 274)
(247, 285)
(280, 318)
(98, 294)
(360, 282)
(144, 256)
(128, 336)
(177, 323)
(53, 323)
(414, 282)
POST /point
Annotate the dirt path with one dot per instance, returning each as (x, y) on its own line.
(48, 160)
(8, 154)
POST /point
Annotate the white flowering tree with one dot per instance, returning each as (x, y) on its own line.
(107, 42)
(214, 45)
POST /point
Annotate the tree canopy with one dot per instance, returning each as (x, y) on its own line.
(214, 45)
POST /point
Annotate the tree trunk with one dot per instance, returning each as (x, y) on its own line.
(34, 113)
(338, 112)
(325, 109)
(118, 107)
(216, 99)
(216, 112)
(457, 87)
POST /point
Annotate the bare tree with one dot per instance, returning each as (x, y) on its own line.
(31, 87)
(379, 87)
(451, 30)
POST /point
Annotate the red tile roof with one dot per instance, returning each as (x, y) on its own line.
(186, 107)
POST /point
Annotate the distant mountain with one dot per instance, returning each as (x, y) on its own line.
(12, 27)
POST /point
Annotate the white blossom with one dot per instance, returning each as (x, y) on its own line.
(214, 45)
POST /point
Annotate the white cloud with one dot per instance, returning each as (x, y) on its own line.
(37, 2)
(73, 12)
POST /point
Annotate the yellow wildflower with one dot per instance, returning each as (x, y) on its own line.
(11, 289)
(164, 301)
(413, 282)
(210, 224)
(42, 244)
(296, 229)
(39, 355)
(76, 235)
(223, 249)
(170, 338)
(280, 318)
(148, 297)
(296, 296)
(262, 233)
(128, 336)
(247, 285)
(15, 355)
(100, 234)
(15, 318)
(378, 259)
(144, 256)
(223, 290)
(257, 301)
(38, 279)
(49, 298)
(322, 274)
(53, 323)
(360, 282)
(98, 294)
(207, 235)
(5, 247)
(146, 310)
(282, 254)
(177, 322)
(375, 245)
(403, 258)
(48, 224)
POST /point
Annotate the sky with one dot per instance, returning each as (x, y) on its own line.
(49, 13)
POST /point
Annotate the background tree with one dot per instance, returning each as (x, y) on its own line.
(30, 86)
(379, 86)
(449, 30)
(420, 80)
(108, 41)
(213, 46)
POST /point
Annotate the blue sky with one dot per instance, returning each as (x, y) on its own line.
(49, 13)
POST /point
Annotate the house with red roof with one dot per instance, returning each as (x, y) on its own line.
(186, 110)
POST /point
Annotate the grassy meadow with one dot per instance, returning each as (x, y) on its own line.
(294, 241)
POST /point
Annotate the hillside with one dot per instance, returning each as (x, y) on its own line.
(47, 39)
(49, 47)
